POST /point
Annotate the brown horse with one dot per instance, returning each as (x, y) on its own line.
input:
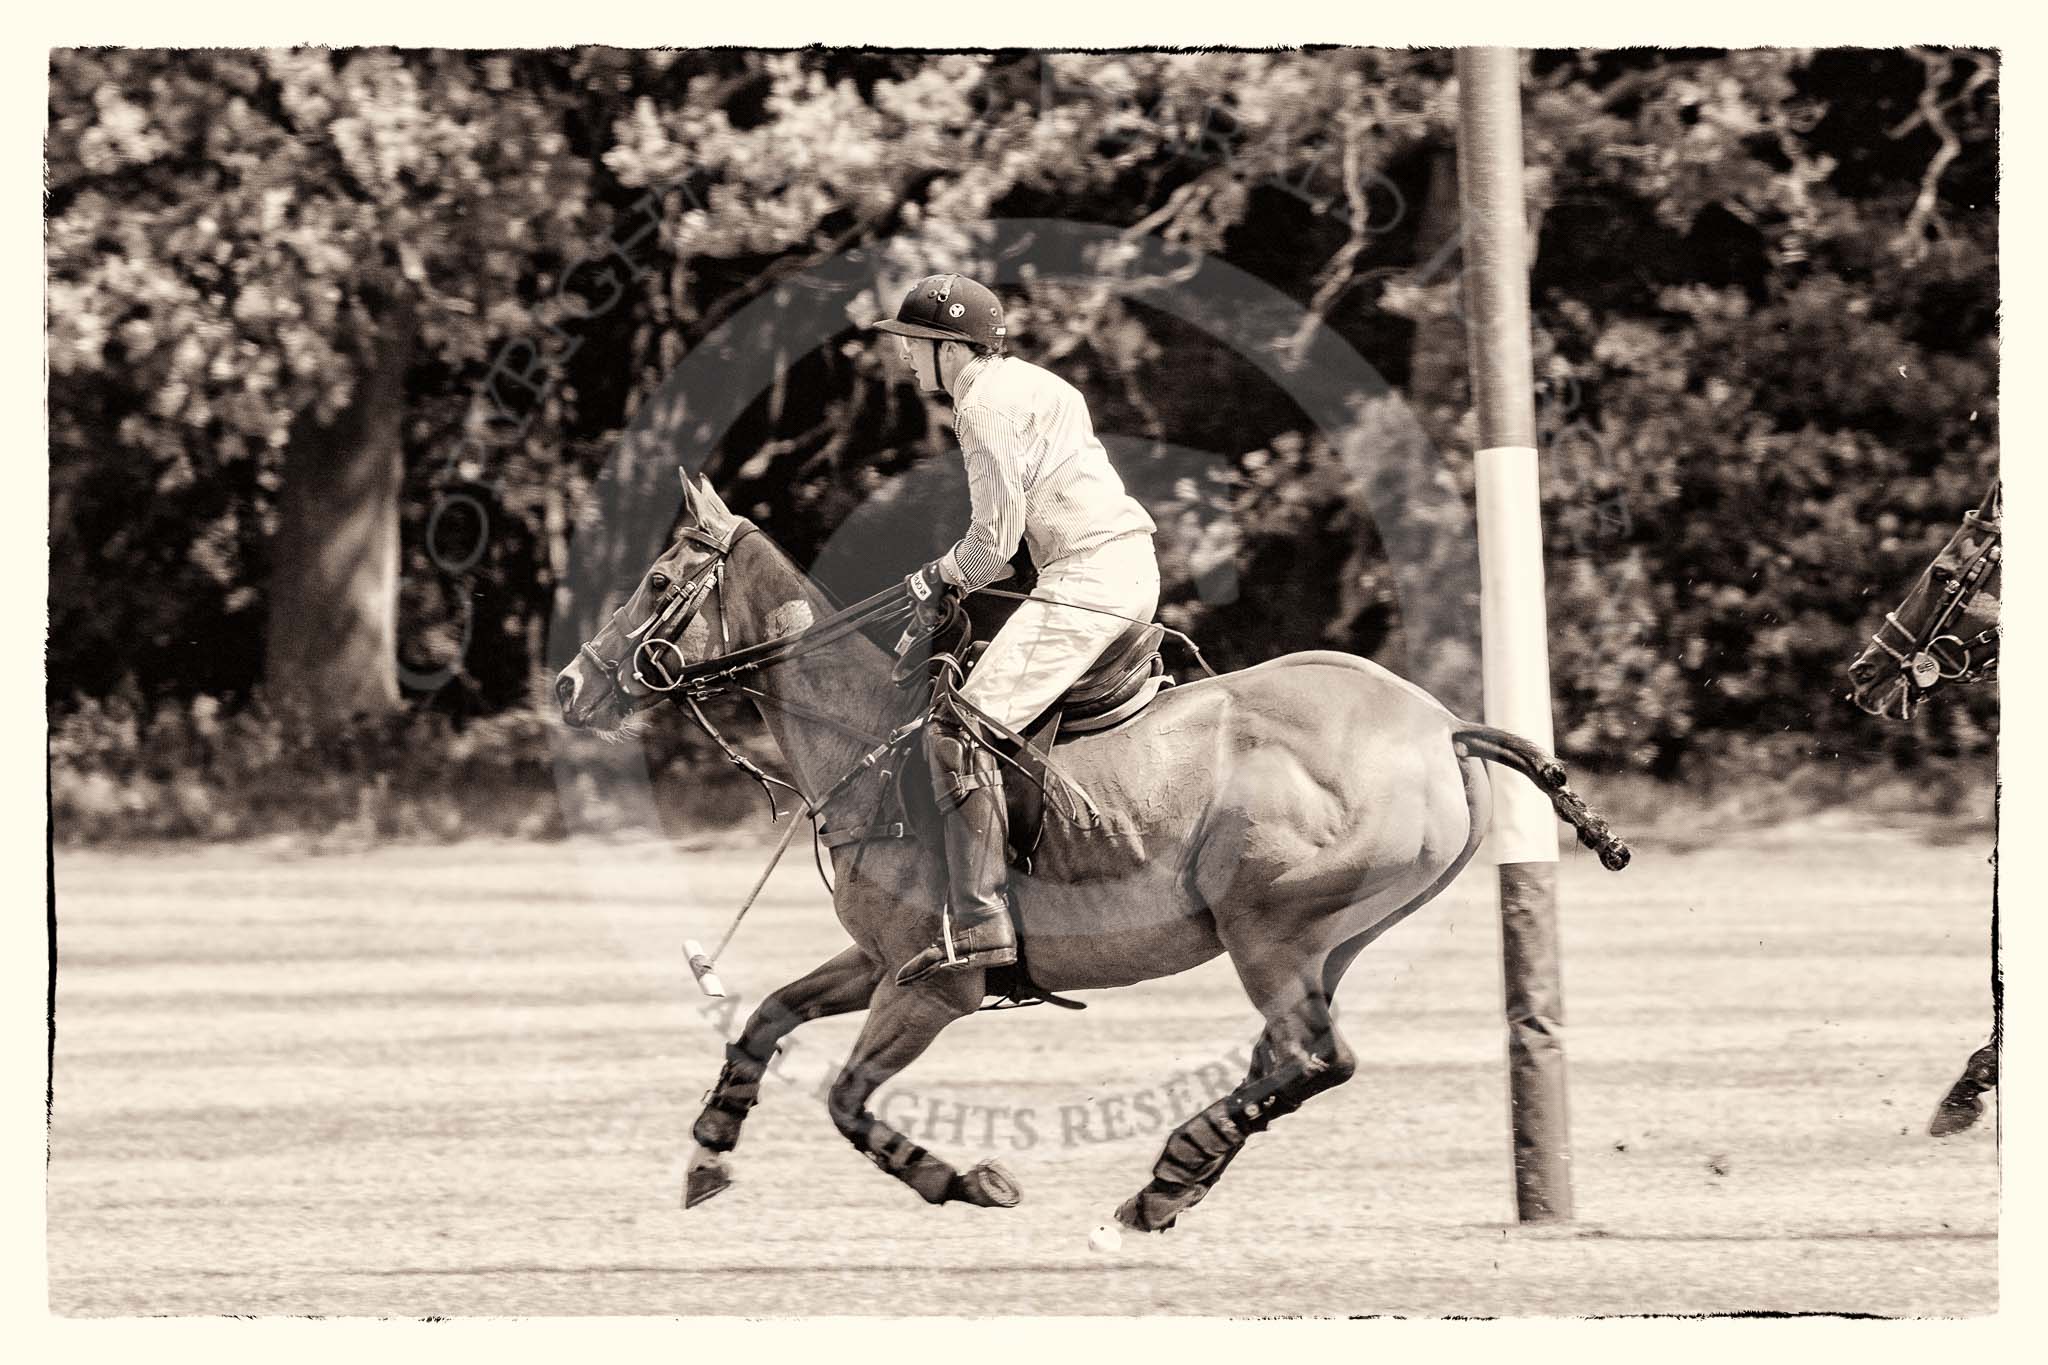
(1947, 631)
(1947, 628)
(1286, 815)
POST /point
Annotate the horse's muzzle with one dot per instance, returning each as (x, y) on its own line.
(580, 696)
(1888, 699)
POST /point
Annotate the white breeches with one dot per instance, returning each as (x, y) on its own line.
(1044, 648)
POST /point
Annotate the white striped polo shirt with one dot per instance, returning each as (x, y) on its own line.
(1034, 472)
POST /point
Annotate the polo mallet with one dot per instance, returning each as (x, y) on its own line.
(703, 967)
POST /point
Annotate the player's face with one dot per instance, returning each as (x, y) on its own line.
(914, 356)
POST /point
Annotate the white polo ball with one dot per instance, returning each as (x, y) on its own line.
(1105, 1238)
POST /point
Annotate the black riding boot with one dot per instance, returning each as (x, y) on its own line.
(976, 932)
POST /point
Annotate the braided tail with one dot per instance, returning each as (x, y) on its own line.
(1512, 751)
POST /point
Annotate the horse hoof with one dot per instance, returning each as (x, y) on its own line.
(1156, 1207)
(989, 1186)
(1955, 1115)
(1132, 1215)
(707, 1175)
(1615, 855)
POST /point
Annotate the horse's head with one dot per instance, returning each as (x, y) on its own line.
(666, 624)
(1947, 628)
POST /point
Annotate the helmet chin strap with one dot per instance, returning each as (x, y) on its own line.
(938, 370)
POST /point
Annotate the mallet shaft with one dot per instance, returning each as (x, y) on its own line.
(701, 965)
(788, 832)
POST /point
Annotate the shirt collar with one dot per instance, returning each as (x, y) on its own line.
(969, 372)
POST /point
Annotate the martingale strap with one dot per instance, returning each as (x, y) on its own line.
(743, 763)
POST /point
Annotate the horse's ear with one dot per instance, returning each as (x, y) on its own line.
(706, 508)
(1994, 501)
(690, 510)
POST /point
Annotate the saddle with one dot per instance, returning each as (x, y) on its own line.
(1116, 687)
(1120, 684)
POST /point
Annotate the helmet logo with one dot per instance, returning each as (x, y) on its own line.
(956, 310)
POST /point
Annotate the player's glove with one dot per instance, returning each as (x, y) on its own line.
(931, 596)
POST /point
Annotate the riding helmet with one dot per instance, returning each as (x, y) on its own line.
(949, 308)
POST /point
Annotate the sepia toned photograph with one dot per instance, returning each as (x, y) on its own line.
(1417, 627)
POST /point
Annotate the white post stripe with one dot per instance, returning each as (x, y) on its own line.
(1515, 646)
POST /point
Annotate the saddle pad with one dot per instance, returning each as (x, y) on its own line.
(1118, 714)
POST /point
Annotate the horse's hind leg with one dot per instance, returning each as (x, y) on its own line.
(902, 1022)
(1963, 1105)
(839, 986)
(1262, 1066)
(1299, 1056)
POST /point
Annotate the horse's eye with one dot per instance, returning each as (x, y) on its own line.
(658, 582)
(1942, 573)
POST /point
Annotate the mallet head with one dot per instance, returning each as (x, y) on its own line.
(700, 967)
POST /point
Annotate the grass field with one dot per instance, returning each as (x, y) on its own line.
(457, 1081)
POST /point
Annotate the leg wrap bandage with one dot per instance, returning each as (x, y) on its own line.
(1201, 1145)
(891, 1151)
(737, 1090)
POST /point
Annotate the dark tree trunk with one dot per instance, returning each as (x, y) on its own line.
(332, 648)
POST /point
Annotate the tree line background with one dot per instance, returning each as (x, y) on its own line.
(339, 341)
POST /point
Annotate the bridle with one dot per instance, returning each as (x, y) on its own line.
(677, 607)
(658, 663)
(728, 671)
(1935, 654)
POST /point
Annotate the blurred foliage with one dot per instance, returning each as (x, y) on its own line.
(1765, 291)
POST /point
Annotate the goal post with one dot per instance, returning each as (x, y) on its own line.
(1522, 842)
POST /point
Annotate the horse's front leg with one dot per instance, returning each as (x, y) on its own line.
(901, 1024)
(839, 986)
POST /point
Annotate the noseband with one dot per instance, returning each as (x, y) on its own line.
(676, 609)
(1935, 654)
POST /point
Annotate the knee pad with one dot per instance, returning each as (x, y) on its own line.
(959, 764)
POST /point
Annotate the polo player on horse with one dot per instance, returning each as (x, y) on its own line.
(1036, 472)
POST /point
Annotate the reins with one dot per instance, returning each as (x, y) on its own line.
(728, 671)
(704, 679)
(725, 673)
